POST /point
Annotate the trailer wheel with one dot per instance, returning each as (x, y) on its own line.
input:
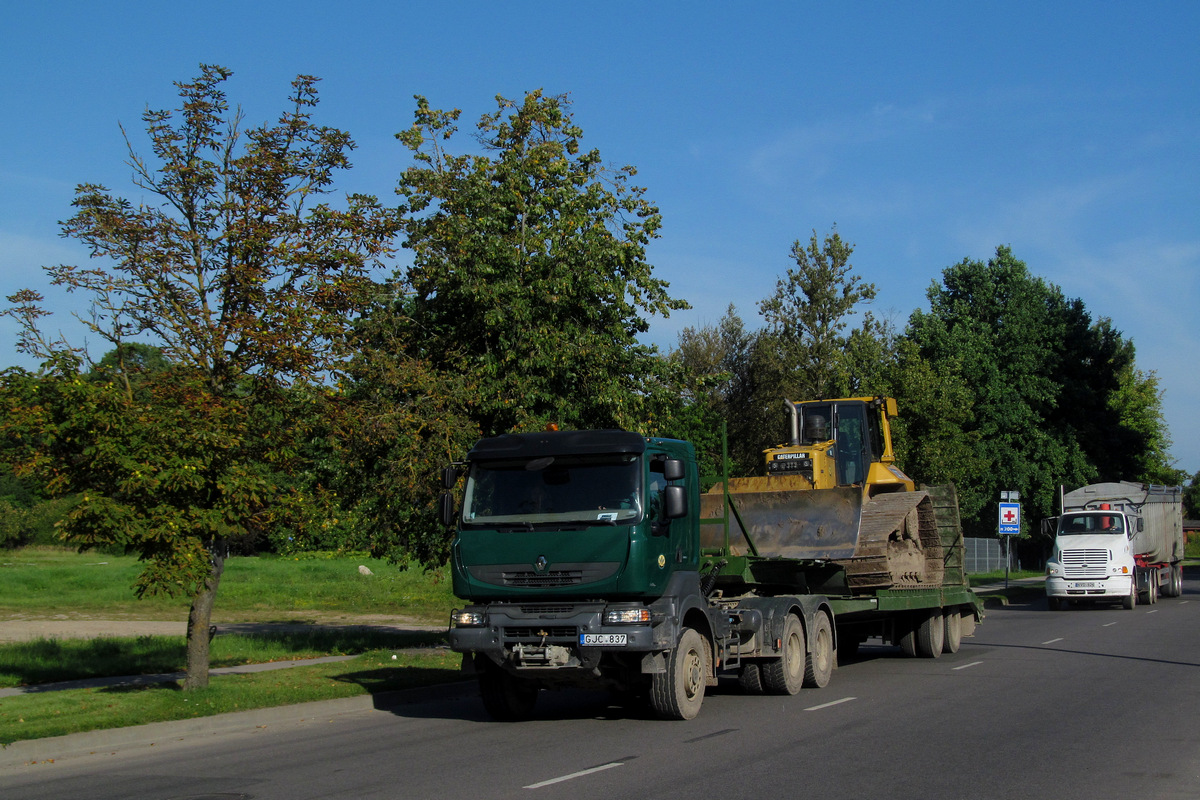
(1177, 579)
(750, 678)
(818, 667)
(678, 692)
(1152, 589)
(1130, 601)
(785, 674)
(506, 697)
(952, 640)
(930, 634)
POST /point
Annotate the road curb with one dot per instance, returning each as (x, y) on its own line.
(40, 751)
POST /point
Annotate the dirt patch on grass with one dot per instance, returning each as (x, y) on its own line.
(24, 628)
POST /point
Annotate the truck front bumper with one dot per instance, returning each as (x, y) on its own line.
(1114, 586)
(563, 636)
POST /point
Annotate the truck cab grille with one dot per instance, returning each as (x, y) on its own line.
(1085, 563)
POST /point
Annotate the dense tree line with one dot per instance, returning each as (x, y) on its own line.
(274, 382)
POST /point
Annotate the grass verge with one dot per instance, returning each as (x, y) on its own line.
(35, 716)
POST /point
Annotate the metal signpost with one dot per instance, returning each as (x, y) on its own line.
(1010, 525)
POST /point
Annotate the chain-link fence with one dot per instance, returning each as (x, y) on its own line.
(986, 555)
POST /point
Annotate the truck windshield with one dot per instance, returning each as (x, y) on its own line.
(1076, 524)
(593, 489)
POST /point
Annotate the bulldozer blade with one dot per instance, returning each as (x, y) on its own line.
(812, 525)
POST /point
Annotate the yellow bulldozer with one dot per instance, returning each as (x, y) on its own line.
(833, 493)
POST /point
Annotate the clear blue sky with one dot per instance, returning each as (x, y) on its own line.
(927, 132)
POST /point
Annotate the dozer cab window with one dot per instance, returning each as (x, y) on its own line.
(553, 490)
(815, 423)
(851, 444)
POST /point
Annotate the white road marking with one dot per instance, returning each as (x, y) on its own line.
(1152, 611)
(972, 664)
(1108, 624)
(574, 775)
(834, 703)
(1052, 641)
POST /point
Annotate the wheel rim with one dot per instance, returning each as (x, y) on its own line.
(693, 679)
(794, 654)
(824, 649)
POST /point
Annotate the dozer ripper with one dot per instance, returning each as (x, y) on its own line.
(592, 559)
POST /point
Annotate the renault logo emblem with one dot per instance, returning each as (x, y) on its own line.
(541, 564)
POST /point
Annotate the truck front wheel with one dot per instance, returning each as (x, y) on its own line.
(1130, 601)
(678, 692)
(506, 697)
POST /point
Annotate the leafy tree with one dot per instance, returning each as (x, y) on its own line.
(1047, 407)
(807, 315)
(1191, 497)
(248, 284)
(714, 363)
(529, 272)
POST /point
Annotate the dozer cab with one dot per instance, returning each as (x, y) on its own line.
(833, 493)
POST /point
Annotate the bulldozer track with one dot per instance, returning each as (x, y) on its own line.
(899, 544)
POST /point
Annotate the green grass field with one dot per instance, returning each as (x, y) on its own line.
(48, 583)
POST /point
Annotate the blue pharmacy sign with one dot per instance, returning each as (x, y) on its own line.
(1010, 519)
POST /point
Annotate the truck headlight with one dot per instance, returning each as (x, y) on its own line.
(626, 616)
(468, 619)
(1052, 568)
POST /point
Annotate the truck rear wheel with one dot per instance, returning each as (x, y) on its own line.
(1152, 588)
(678, 692)
(818, 668)
(750, 678)
(506, 697)
(925, 635)
(785, 674)
(953, 636)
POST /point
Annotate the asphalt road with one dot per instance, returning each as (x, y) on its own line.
(1087, 703)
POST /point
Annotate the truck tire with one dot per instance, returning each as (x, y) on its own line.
(750, 678)
(818, 667)
(1054, 603)
(678, 692)
(785, 674)
(926, 637)
(1130, 601)
(1152, 588)
(952, 640)
(506, 697)
(1177, 579)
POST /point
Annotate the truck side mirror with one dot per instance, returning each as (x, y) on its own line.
(449, 477)
(1141, 526)
(446, 509)
(675, 504)
(673, 469)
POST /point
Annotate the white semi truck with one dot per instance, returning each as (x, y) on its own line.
(1117, 542)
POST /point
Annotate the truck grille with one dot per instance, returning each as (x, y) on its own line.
(561, 574)
(569, 577)
(1085, 563)
(536, 633)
